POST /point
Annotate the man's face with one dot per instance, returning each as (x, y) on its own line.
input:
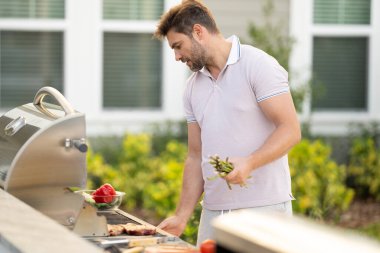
(187, 50)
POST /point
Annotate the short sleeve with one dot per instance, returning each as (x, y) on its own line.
(268, 78)
(189, 114)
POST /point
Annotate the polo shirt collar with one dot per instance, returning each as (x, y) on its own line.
(235, 52)
(234, 55)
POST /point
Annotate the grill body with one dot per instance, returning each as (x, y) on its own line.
(38, 158)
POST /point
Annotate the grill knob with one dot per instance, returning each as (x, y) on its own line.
(80, 144)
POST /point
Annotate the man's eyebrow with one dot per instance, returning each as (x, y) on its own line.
(175, 44)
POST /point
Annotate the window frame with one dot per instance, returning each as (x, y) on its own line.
(172, 85)
(303, 30)
(83, 66)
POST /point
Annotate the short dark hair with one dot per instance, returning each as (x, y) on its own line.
(183, 17)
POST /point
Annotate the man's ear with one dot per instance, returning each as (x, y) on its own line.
(198, 31)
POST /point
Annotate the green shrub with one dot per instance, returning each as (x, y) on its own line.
(318, 183)
(164, 132)
(98, 171)
(364, 168)
(162, 194)
(152, 183)
(372, 230)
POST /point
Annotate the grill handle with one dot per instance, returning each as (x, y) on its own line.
(47, 90)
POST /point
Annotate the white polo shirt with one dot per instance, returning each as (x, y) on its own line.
(232, 124)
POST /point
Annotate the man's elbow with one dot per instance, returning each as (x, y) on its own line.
(297, 135)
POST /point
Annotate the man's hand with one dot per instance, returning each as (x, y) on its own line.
(241, 172)
(173, 225)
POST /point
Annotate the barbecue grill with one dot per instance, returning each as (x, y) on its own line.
(43, 155)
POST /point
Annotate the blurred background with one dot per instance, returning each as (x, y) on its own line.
(101, 56)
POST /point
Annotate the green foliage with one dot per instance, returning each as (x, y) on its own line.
(162, 133)
(372, 230)
(271, 37)
(151, 182)
(162, 194)
(274, 40)
(98, 172)
(109, 147)
(318, 183)
(364, 168)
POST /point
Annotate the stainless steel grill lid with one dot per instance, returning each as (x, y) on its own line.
(42, 152)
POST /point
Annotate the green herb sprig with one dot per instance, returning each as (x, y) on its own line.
(222, 168)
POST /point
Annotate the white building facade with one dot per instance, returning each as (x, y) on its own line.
(338, 45)
(100, 54)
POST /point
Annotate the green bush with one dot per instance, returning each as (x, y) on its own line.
(318, 183)
(162, 193)
(364, 168)
(152, 183)
(98, 171)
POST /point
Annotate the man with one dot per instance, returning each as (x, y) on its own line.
(237, 105)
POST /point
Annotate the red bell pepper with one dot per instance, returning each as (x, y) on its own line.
(104, 194)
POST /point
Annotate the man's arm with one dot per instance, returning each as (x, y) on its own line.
(192, 184)
(280, 110)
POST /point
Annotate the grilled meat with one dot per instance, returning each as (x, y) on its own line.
(131, 229)
(135, 229)
(115, 229)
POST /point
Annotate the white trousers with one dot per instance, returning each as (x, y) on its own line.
(205, 230)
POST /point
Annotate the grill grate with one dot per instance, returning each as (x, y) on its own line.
(116, 218)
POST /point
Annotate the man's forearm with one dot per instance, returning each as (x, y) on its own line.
(277, 145)
(192, 188)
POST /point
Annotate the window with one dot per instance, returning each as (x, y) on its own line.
(28, 61)
(340, 73)
(29, 58)
(133, 9)
(342, 11)
(53, 9)
(340, 56)
(132, 71)
(103, 49)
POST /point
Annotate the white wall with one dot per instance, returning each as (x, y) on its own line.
(234, 17)
(84, 67)
(83, 30)
(303, 30)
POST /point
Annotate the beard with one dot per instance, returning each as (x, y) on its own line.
(197, 58)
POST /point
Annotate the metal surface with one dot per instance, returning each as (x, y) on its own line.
(45, 91)
(35, 164)
(89, 223)
(43, 157)
(44, 161)
(125, 241)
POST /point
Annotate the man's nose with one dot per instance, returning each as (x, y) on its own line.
(178, 56)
